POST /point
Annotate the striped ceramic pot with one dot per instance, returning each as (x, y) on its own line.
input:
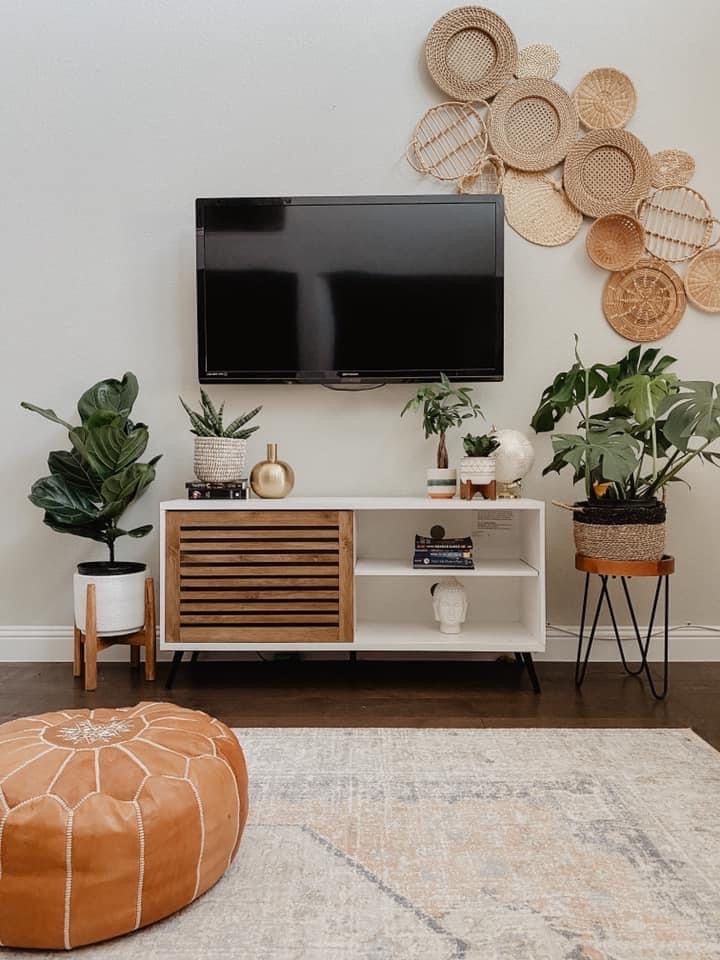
(441, 483)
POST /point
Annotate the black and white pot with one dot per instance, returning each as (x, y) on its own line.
(620, 529)
(119, 596)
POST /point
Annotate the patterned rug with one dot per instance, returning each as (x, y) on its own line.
(388, 844)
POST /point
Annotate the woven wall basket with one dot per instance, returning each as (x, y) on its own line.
(672, 168)
(615, 242)
(678, 223)
(605, 98)
(532, 124)
(537, 60)
(607, 171)
(702, 281)
(537, 208)
(645, 302)
(449, 140)
(471, 53)
(486, 177)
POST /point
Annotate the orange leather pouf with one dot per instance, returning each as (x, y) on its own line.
(113, 819)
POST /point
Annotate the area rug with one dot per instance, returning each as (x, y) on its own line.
(387, 844)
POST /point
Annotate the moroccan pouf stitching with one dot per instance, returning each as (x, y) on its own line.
(113, 819)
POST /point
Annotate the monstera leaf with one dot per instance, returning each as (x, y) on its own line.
(113, 396)
(106, 446)
(642, 394)
(609, 449)
(693, 412)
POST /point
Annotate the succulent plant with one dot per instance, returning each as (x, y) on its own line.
(208, 421)
(482, 446)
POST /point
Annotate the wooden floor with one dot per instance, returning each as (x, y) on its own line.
(384, 693)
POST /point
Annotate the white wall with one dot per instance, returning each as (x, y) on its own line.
(115, 116)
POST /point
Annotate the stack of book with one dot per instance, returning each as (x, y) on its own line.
(454, 553)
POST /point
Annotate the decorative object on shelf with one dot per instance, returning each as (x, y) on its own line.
(450, 140)
(477, 467)
(272, 479)
(239, 490)
(220, 451)
(486, 176)
(615, 242)
(653, 427)
(607, 171)
(537, 207)
(605, 98)
(471, 53)
(537, 60)
(532, 124)
(513, 461)
(702, 281)
(88, 490)
(678, 223)
(450, 605)
(110, 597)
(672, 168)
(441, 554)
(645, 302)
(443, 407)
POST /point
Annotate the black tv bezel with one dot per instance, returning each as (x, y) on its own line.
(331, 377)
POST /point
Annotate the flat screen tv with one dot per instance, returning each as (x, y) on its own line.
(349, 289)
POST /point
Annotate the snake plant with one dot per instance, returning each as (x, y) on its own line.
(208, 421)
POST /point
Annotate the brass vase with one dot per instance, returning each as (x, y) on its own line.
(272, 479)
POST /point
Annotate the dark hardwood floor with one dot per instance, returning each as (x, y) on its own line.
(384, 693)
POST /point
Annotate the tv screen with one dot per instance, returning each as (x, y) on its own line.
(352, 289)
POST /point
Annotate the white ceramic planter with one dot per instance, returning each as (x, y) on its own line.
(442, 483)
(119, 599)
(219, 459)
(478, 470)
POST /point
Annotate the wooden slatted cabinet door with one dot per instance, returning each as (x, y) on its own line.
(254, 576)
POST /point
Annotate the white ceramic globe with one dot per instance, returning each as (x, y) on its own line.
(514, 457)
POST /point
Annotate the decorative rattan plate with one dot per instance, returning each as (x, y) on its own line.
(702, 281)
(678, 223)
(607, 171)
(605, 98)
(615, 242)
(449, 140)
(645, 302)
(537, 60)
(532, 124)
(672, 168)
(537, 208)
(471, 53)
(486, 177)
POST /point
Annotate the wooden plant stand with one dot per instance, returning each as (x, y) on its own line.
(468, 489)
(88, 644)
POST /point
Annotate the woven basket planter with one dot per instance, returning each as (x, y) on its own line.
(219, 459)
(633, 530)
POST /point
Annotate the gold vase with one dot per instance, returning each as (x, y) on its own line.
(272, 479)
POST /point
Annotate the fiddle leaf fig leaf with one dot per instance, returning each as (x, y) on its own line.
(108, 448)
(63, 503)
(115, 396)
(47, 413)
(69, 465)
(142, 531)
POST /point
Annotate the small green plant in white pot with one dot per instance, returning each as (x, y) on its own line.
(478, 464)
(443, 407)
(89, 488)
(220, 454)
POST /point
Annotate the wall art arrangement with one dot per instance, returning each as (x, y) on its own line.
(558, 157)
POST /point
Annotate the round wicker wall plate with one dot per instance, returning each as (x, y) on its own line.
(702, 281)
(537, 60)
(532, 124)
(537, 208)
(605, 98)
(471, 53)
(678, 223)
(615, 242)
(607, 171)
(645, 302)
(486, 177)
(672, 168)
(450, 140)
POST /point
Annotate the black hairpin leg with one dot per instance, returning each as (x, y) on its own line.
(519, 660)
(644, 648)
(176, 661)
(532, 673)
(353, 656)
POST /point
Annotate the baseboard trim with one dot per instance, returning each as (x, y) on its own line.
(53, 644)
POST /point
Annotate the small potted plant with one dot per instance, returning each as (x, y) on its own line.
(478, 464)
(443, 407)
(653, 426)
(220, 451)
(89, 488)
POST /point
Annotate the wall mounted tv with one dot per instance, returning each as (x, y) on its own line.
(349, 289)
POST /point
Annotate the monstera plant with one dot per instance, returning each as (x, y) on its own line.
(89, 488)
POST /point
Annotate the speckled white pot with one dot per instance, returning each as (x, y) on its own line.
(477, 469)
(219, 459)
(119, 599)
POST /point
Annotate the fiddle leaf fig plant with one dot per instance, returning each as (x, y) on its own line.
(443, 406)
(91, 485)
